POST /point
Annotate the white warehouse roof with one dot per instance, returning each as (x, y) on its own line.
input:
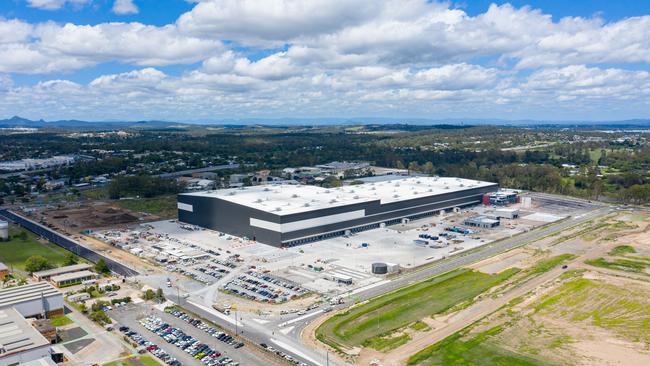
(16, 334)
(35, 291)
(284, 199)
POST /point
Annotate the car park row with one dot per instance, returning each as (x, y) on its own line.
(190, 345)
(152, 348)
(262, 287)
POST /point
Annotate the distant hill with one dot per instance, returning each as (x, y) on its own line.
(17, 121)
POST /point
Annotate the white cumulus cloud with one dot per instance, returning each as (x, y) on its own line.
(55, 4)
(124, 7)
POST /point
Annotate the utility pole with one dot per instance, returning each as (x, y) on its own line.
(178, 292)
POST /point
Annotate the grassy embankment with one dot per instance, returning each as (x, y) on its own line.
(372, 324)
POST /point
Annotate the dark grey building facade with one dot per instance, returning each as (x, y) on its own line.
(281, 230)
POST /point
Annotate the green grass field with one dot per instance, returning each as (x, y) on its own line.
(474, 351)
(420, 326)
(387, 343)
(137, 361)
(623, 310)
(626, 265)
(622, 249)
(387, 313)
(548, 264)
(14, 252)
(163, 206)
(60, 321)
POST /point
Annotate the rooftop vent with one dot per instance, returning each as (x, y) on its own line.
(306, 204)
(396, 196)
(266, 189)
(430, 190)
(446, 187)
(278, 209)
(259, 200)
(356, 197)
(332, 201)
(231, 193)
(294, 196)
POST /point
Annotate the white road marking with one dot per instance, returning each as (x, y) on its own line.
(218, 314)
(302, 317)
(361, 289)
(296, 352)
(286, 331)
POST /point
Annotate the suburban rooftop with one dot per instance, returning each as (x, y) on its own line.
(61, 270)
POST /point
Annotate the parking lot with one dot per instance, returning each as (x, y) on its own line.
(264, 287)
(230, 351)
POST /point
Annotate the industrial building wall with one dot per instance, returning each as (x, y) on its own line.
(231, 218)
(38, 306)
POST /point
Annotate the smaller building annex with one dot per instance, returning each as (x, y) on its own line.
(47, 274)
(73, 278)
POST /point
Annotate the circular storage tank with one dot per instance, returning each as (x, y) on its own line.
(379, 268)
(4, 230)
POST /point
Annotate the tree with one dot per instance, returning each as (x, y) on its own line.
(100, 317)
(331, 182)
(102, 267)
(149, 294)
(160, 295)
(70, 259)
(23, 235)
(36, 263)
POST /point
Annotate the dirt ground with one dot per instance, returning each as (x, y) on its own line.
(251, 306)
(548, 337)
(93, 216)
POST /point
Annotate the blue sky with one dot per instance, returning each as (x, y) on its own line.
(211, 60)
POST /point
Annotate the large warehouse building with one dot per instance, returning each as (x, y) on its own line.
(288, 215)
